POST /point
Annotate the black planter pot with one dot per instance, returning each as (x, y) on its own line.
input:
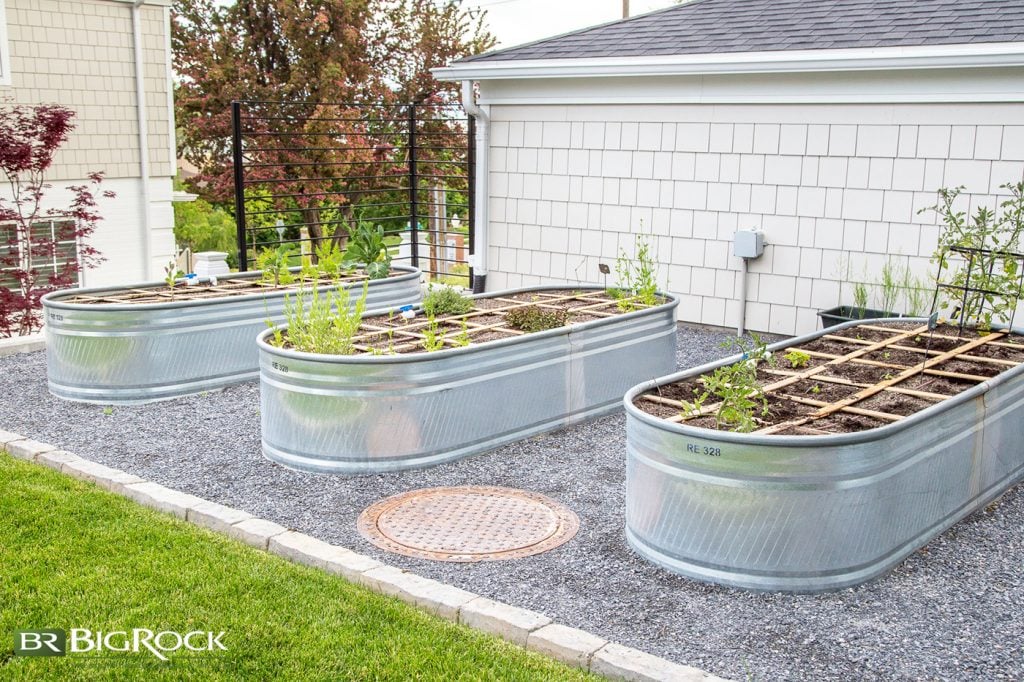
(849, 313)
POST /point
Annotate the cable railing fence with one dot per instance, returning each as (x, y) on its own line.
(306, 173)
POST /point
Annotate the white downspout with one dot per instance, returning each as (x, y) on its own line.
(478, 260)
(741, 324)
(140, 99)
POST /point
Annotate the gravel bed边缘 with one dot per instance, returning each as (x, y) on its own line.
(952, 610)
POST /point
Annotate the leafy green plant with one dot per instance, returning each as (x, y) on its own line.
(322, 322)
(446, 301)
(989, 276)
(367, 247)
(741, 398)
(433, 336)
(797, 358)
(532, 318)
(275, 263)
(636, 277)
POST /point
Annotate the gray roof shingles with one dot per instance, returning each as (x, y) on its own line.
(722, 26)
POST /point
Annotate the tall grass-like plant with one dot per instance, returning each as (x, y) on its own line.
(322, 322)
(889, 287)
(860, 299)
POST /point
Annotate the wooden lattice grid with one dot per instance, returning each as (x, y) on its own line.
(852, 404)
(226, 287)
(396, 335)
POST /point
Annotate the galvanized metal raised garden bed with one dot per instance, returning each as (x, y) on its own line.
(124, 353)
(375, 413)
(808, 513)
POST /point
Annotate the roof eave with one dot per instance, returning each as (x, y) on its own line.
(788, 61)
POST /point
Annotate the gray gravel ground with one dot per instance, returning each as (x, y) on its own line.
(953, 610)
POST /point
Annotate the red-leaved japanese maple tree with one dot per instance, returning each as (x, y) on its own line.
(32, 262)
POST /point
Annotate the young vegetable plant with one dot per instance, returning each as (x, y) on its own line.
(274, 263)
(171, 275)
(797, 358)
(366, 246)
(741, 398)
(986, 282)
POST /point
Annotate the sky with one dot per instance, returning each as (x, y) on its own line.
(514, 22)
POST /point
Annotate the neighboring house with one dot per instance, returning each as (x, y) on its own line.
(827, 124)
(84, 54)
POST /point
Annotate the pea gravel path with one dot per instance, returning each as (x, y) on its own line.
(954, 610)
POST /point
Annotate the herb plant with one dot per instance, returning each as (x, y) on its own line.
(462, 340)
(446, 301)
(534, 318)
(433, 336)
(322, 322)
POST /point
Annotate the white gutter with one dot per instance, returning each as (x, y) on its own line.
(478, 261)
(140, 99)
(787, 61)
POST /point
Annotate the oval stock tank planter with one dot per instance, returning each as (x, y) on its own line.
(798, 510)
(102, 350)
(375, 413)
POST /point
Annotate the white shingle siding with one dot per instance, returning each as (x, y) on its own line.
(835, 188)
(80, 54)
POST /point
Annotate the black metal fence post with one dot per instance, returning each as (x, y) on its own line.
(239, 175)
(413, 189)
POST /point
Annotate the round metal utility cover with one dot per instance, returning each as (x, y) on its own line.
(470, 523)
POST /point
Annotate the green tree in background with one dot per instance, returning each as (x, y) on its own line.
(363, 52)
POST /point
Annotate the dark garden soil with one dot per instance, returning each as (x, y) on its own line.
(859, 378)
(396, 335)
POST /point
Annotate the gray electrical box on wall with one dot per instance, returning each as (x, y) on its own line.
(748, 244)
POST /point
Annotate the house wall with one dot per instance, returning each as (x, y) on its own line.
(836, 188)
(80, 54)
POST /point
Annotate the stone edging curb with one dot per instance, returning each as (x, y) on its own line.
(528, 629)
(22, 344)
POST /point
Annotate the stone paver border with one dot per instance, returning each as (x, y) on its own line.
(528, 629)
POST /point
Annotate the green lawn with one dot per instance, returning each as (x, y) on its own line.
(74, 556)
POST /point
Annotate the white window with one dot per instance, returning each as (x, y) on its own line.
(61, 233)
(5, 53)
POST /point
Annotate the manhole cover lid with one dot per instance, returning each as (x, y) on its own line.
(469, 523)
